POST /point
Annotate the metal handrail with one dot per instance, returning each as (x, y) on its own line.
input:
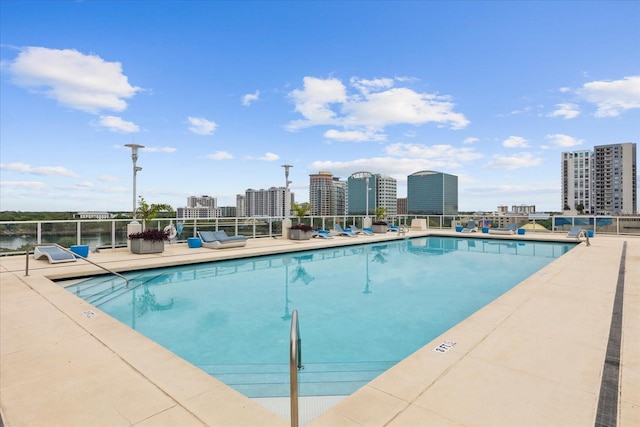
(29, 248)
(295, 363)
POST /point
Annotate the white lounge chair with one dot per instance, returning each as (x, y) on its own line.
(54, 254)
(509, 229)
(219, 239)
(357, 230)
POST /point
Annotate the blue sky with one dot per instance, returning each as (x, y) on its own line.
(222, 94)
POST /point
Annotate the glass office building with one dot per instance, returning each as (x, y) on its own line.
(432, 193)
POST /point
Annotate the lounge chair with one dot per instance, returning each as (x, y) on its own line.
(360, 231)
(577, 232)
(323, 234)
(339, 231)
(471, 227)
(509, 229)
(54, 254)
(219, 240)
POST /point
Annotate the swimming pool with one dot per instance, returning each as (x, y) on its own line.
(362, 308)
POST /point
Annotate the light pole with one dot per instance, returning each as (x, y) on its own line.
(366, 184)
(136, 169)
(287, 198)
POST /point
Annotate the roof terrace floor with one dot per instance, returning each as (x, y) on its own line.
(533, 357)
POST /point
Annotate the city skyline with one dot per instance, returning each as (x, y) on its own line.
(221, 94)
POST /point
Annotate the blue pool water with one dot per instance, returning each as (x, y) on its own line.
(361, 308)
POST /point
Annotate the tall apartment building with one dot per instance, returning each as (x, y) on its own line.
(202, 201)
(432, 193)
(327, 194)
(615, 179)
(269, 202)
(602, 181)
(199, 207)
(375, 189)
(577, 178)
(241, 206)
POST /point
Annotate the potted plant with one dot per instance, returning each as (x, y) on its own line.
(379, 225)
(149, 240)
(300, 231)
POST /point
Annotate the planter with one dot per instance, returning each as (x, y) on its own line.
(299, 234)
(377, 228)
(81, 250)
(143, 246)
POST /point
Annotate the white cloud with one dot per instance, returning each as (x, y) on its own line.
(354, 135)
(515, 161)
(41, 170)
(366, 86)
(116, 124)
(470, 140)
(446, 153)
(159, 149)
(250, 97)
(31, 185)
(566, 111)
(82, 82)
(515, 142)
(563, 141)
(375, 105)
(220, 155)
(201, 126)
(314, 100)
(269, 157)
(612, 97)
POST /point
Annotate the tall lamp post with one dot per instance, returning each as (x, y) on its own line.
(286, 222)
(136, 169)
(134, 226)
(366, 222)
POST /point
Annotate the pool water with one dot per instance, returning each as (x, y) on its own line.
(361, 308)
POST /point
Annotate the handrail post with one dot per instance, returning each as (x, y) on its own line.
(295, 363)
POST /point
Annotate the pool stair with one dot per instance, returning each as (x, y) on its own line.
(103, 290)
(316, 379)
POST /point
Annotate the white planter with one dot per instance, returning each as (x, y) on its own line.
(299, 234)
(142, 246)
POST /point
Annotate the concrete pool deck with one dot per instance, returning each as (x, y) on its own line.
(533, 357)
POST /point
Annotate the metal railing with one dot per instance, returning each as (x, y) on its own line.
(26, 267)
(295, 363)
(15, 236)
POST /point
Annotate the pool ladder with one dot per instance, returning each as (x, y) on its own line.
(295, 364)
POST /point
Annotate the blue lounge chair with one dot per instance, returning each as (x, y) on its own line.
(339, 231)
(54, 254)
(360, 231)
(219, 239)
(577, 232)
(323, 234)
(471, 227)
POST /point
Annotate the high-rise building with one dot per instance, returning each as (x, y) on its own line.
(326, 194)
(577, 180)
(615, 179)
(269, 202)
(199, 207)
(432, 193)
(202, 202)
(379, 191)
(241, 208)
(602, 181)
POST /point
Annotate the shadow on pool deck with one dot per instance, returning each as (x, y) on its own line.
(532, 357)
